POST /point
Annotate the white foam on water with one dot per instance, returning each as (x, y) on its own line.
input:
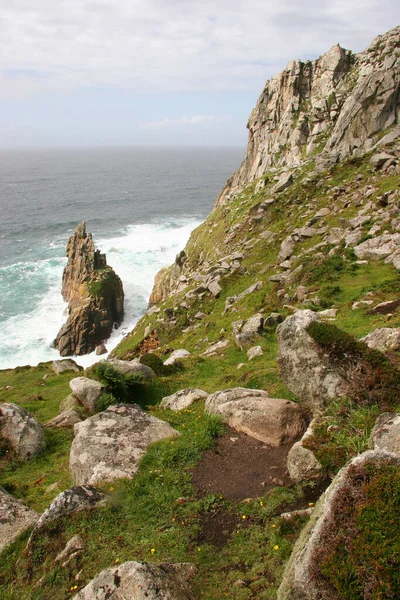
(137, 253)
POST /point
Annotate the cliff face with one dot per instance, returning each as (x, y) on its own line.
(333, 106)
(310, 117)
(94, 294)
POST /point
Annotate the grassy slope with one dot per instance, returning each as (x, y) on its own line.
(144, 521)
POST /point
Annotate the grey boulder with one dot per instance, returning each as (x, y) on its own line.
(177, 355)
(88, 391)
(141, 581)
(65, 366)
(271, 420)
(66, 419)
(109, 445)
(182, 399)
(384, 339)
(386, 433)
(15, 518)
(306, 371)
(21, 430)
(130, 367)
(75, 499)
(302, 464)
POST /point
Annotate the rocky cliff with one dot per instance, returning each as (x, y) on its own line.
(333, 106)
(94, 294)
(308, 118)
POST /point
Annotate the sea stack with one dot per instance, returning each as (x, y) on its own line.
(94, 294)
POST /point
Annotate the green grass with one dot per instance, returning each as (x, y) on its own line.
(157, 516)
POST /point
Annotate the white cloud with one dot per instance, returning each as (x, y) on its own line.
(194, 120)
(170, 45)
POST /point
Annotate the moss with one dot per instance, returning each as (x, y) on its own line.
(358, 556)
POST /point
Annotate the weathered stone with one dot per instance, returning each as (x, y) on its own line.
(180, 354)
(285, 181)
(109, 445)
(94, 294)
(69, 403)
(141, 581)
(73, 500)
(302, 463)
(249, 331)
(273, 319)
(270, 420)
(254, 352)
(385, 308)
(384, 339)
(101, 349)
(214, 288)
(131, 367)
(88, 391)
(75, 546)
(63, 366)
(182, 399)
(378, 160)
(301, 578)
(378, 247)
(286, 249)
(303, 367)
(65, 419)
(15, 518)
(329, 313)
(21, 430)
(386, 433)
(215, 348)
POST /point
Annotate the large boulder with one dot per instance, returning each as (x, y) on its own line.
(88, 391)
(302, 464)
(21, 430)
(384, 339)
(378, 247)
(15, 518)
(303, 578)
(307, 372)
(94, 294)
(109, 445)
(386, 433)
(271, 420)
(182, 399)
(73, 500)
(141, 581)
(131, 367)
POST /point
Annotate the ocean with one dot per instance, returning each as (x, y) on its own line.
(140, 204)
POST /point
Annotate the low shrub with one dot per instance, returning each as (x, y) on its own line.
(123, 388)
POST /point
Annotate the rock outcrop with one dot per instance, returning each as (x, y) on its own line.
(94, 294)
(109, 445)
(335, 105)
(21, 431)
(141, 581)
(15, 518)
(271, 420)
(303, 578)
(311, 376)
(73, 500)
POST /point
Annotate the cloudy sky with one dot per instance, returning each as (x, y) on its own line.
(159, 72)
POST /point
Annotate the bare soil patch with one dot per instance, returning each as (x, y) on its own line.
(240, 467)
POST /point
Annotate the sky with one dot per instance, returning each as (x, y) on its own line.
(153, 72)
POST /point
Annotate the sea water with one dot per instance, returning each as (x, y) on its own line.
(140, 204)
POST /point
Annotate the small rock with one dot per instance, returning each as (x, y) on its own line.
(64, 366)
(65, 419)
(88, 391)
(385, 308)
(384, 339)
(75, 499)
(254, 352)
(100, 350)
(182, 399)
(74, 546)
(15, 518)
(386, 433)
(176, 355)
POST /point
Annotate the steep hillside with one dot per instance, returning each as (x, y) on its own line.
(251, 343)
